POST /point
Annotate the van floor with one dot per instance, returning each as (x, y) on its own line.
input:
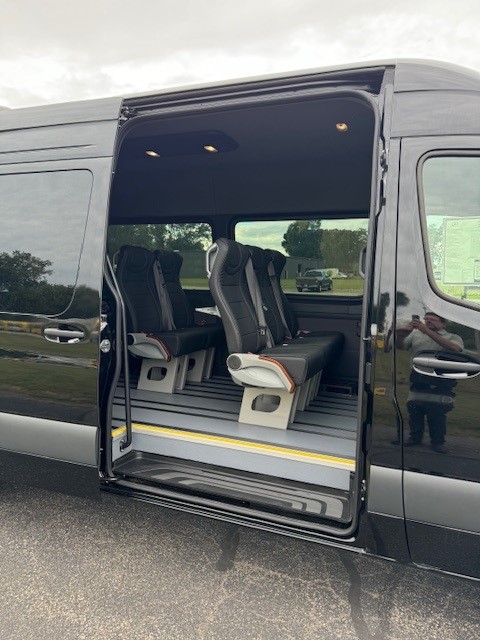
(200, 424)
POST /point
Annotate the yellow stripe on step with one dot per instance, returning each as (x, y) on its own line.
(242, 445)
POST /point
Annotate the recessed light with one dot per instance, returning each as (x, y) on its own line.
(210, 148)
(342, 127)
(152, 154)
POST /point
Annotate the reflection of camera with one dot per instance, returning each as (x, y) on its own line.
(415, 317)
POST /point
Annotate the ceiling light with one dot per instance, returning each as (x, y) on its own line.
(210, 148)
(342, 127)
(152, 154)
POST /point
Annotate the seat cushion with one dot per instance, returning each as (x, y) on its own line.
(181, 342)
(305, 357)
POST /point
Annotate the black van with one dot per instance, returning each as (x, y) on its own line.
(153, 342)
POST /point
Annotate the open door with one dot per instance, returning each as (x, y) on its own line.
(55, 172)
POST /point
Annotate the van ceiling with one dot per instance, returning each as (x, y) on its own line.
(275, 159)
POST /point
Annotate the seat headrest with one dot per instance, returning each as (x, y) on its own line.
(260, 258)
(170, 261)
(234, 255)
(135, 259)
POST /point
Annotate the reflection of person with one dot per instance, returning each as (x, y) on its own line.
(429, 397)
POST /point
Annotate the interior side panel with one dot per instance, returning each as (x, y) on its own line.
(329, 315)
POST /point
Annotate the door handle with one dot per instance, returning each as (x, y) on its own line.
(65, 335)
(450, 368)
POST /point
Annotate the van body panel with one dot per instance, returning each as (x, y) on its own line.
(64, 441)
(425, 75)
(66, 142)
(385, 491)
(435, 113)
(384, 455)
(451, 550)
(46, 473)
(446, 502)
(61, 114)
(50, 323)
(441, 486)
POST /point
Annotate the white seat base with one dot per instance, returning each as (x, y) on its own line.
(162, 375)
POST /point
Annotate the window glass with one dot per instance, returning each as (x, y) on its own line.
(451, 188)
(190, 239)
(322, 255)
(43, 218)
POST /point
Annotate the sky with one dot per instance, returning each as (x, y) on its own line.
(61, 50)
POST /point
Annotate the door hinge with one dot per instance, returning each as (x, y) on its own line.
(363, 490)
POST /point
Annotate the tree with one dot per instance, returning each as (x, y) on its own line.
(303, 239)
(24, 287)
(190, 236)
(341, 248)
(21, 269)
(187, 237)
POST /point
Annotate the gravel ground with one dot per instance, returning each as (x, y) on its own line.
(120, 569)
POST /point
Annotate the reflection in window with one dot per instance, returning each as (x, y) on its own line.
(322, 255)
(451, 188)
(190, 239)
(43, 225)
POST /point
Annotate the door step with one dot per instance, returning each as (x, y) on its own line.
(256, 490)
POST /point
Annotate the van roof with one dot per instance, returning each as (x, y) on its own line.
(410, 75)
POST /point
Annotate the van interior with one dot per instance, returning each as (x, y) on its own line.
(270, 424)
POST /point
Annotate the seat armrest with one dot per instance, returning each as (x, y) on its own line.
(250, 369)
(148, 346)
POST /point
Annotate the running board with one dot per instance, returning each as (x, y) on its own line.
(257, 490)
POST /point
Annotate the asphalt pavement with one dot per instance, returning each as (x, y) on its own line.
(118, 569)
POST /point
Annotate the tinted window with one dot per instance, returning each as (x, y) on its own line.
(190, 239)
(451, 190)
(322, 248)
(43, 218)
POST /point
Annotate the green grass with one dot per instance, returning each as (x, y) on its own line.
(341, 287)
(50, 382)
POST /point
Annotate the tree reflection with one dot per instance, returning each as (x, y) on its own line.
(24, 287)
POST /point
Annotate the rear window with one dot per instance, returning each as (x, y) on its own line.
(320, 247)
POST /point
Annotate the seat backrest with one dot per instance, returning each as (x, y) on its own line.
(230, 291)
(170, 263)
(135, 277)
(261, 259)
(279, 261)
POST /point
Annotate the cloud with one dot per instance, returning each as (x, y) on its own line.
(56, 51)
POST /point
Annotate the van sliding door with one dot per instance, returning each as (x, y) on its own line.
(55, 171)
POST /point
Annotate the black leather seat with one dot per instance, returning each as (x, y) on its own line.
(231, 291)
(182, 312)
(302, 355)
(280, 374)
(136, 278)
(278, 261)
